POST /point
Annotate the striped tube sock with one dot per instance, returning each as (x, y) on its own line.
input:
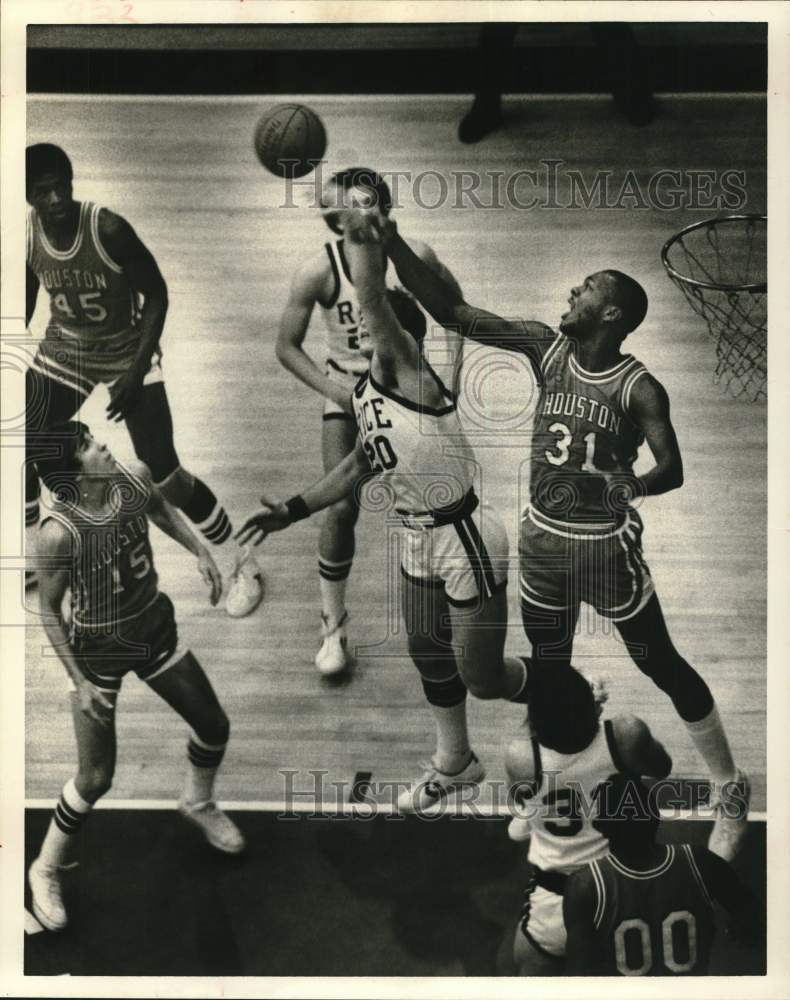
(204, 761)
(333, 577)
(32, 513)
(70, 813)
(207, 514)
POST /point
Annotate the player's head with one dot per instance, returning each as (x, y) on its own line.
(627, 813)
(354, 187)
(48, 180)
(68, 456)
(562, 709)
(607, 300)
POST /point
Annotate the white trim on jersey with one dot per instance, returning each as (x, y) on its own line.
(660, 868)
(592, 533)
(60, 374)
(696, 873)
(600, 892)
(95, 210)
(595, 378)
(177, 655)
(29, 223)
(549, 355)
(628, 384)
(76, 246)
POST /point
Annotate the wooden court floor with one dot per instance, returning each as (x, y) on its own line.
(183, 173)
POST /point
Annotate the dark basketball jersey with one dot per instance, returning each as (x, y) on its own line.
(113, 575)
(581, 429)
(92, 305)
(653, 923)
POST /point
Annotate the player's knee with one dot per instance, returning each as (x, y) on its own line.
(483, 686)
(95, 781)
(343, 514)
(215, 730)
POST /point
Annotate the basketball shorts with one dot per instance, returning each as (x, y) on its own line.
(348, 380)
(68, 364)
(541, 921)
(146, 644)
(606, 571)
(468, 558)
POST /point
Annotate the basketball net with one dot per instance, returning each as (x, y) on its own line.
(720, 266)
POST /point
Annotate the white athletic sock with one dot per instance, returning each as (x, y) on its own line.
(333, 578)
(70, 814)
(204, 762)
(711, 743)
(452, 738)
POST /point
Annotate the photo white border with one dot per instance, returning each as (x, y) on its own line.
(15, 15)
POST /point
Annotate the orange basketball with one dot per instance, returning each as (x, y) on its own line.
(290, 139)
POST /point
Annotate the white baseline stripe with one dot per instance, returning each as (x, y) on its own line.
(344, 808)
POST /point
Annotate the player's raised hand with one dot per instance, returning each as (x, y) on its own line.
(211, 575)
(273, 517)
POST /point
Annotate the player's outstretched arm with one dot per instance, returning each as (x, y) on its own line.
(54, 578)
(170, 521)
(280, 514)
(443, 300)
(649, 409)
(31, 293)
(640, 752)
(578, 912)
(306, 289)
(127, 249)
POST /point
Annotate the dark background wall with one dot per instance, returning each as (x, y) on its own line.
(381, 58)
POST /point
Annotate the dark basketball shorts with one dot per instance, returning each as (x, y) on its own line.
(606, 571)
(146, 644)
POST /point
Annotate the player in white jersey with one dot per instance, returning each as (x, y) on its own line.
(454, 564)
(325, 281)
(555, 765)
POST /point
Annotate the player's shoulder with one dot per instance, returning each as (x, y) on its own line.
(646, 394)
(54, 538)
(139, 472)
(310, 276)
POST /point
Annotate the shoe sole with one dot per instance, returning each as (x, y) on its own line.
(446, 793)
(223, 849)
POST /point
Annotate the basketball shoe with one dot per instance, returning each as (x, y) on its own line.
(730, 800)
(332, 657)
(434, 785)
(47, 894)
(218, 828)
(245, 592)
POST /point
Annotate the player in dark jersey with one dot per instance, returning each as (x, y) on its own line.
(646, 909)
(581, 537)
(325, 281)
(108, 302)
(94, 542)
(556, 763)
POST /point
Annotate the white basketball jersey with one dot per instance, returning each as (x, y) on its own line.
(563, 807)
(342, 315)
(421, 453)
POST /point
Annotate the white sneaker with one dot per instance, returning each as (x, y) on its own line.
(731, 802)
(47, 895)
(433, 785)
(218, 828)
(246, 585)
(332, 657)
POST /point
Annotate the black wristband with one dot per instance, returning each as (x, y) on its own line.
(297, 508)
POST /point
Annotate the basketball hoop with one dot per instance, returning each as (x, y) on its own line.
(720, 266)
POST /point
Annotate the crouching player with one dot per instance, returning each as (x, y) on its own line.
(94, 540)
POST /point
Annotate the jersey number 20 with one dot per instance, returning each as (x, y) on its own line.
(380, 453)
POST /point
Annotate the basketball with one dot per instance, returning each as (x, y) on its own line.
(289, 140)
